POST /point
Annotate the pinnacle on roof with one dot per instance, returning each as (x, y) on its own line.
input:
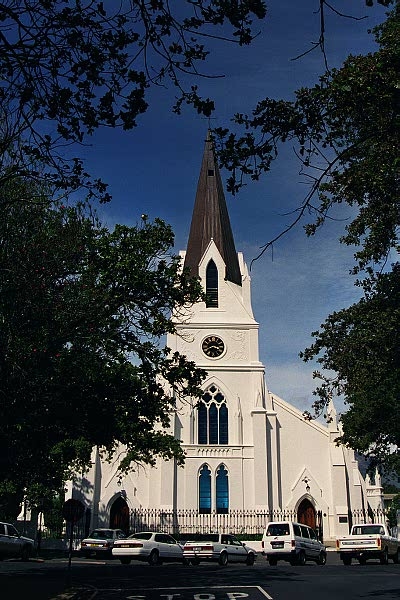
(210, 219)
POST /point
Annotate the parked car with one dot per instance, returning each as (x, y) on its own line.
(219, 547)
(369, 540)
(100, 542)
(152, 547)
(293, 542)
(12, 544)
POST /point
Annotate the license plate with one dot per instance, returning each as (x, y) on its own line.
(94, 545)
(277, 544)
(123, 546)
(197, 549)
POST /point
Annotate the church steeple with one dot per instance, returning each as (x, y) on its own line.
(210, 219)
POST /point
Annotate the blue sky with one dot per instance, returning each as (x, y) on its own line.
(154, 170)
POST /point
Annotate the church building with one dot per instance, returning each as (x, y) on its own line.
(248, 452)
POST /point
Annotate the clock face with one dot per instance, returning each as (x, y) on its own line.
(213, 346)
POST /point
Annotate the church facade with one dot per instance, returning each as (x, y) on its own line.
(247, 450)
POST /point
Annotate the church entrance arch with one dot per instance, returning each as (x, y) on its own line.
(306, 514)
(119, 515)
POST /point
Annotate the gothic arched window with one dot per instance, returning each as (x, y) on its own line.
(212, 418)
(222, 490)
(204, 490)
(211, 285)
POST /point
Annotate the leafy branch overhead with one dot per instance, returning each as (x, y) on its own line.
(345, 131)
(68, 68)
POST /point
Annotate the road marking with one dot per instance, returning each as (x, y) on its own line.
(198, 596)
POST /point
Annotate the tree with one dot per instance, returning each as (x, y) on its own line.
(394, 508)
(346, 133)
(68, 68)
(82, 311)
(361, 345)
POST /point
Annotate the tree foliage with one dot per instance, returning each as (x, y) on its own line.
(345, 131)
(69, 67)
(394, 508)
(82, 310)
(361, 345)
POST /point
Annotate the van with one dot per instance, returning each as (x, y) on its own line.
(294, 542)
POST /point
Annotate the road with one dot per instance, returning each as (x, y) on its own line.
(108, 580)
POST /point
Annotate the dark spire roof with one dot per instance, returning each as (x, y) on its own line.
(210, 219)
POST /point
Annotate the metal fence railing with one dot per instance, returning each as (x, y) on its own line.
(248, 523)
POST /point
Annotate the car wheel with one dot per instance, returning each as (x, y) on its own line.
(125, 560)
(250, 559)
(301, 559)
(396, 557)
(322, 559)
(347, 560)
(384, 560)
(153, 558)
(195, 562)
(25, 553)
(223, 559)
(272, 562)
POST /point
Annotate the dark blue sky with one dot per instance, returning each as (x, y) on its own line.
(154, 170)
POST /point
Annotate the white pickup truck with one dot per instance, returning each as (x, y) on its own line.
(369, 540)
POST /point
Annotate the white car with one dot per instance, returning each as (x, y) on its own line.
(219, 547)
(14, 545)
(293, 542)
(100, 542)
(149, 546)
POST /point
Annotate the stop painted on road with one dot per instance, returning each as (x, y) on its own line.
(253, 592)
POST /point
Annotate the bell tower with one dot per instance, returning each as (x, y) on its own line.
(224, 434)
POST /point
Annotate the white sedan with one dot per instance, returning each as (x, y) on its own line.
(100, 542)
(148, 546)
(219, 547)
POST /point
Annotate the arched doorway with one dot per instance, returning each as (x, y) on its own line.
(119, 515)
(306, 514)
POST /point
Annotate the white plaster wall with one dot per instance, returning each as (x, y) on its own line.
(303, 452)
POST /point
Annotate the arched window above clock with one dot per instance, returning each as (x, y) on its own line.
(212, 417)
(211, 285)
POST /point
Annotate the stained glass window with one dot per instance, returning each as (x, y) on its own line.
(205, 490)
(222, 490)
(213, 418)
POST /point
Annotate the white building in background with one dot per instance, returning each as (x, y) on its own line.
(246, 448)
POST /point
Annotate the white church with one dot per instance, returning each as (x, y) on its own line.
(248, 452)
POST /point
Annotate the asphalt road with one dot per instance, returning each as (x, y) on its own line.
(93, 579)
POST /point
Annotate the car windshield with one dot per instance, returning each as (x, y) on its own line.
(278, 529)
(141, 536)
(101, 534)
